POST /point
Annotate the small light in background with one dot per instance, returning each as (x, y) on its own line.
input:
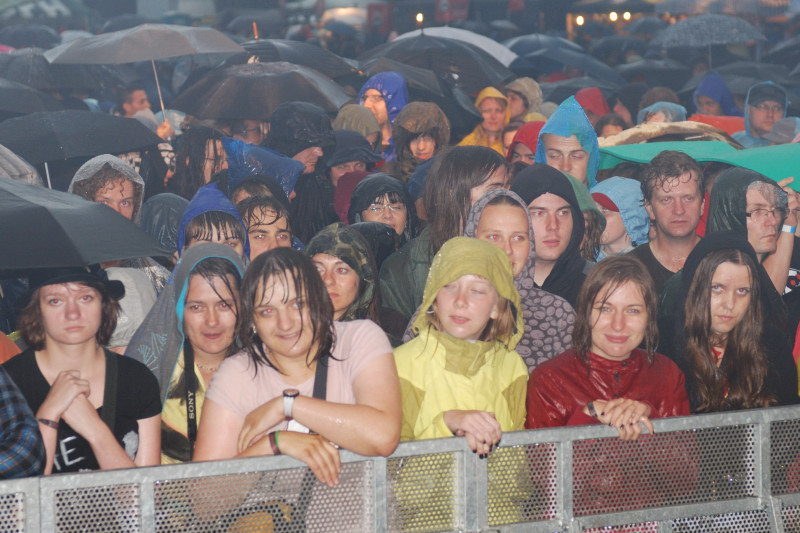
(613, 16)
(420, 18)
(627, 15)
(579, 20)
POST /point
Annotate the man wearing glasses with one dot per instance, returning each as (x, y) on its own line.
(766, 104)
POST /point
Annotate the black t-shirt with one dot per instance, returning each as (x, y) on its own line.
(659, 272)
(138, 397)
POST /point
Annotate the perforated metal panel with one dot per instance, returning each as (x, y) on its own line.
(423, 493)
(522, 484)
(785, 456)
(113, 509)
(611, 475)
(647, 527)
(791, 519)
(12, 512)
(287, 501)
(745, 522)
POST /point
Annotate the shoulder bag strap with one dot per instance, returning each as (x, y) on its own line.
(109, 409)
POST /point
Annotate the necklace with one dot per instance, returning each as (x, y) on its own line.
(207, 368)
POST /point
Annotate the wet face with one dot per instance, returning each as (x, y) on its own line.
(465, 306)
(340, 280)
(552, 227)
(337, 171)
(374, 101)
(506, 226)
(71, 313)
(619, 321)
(225, 237)
(282, 320)
(496, 180)
(266, 232)
(216, 160)
(119, 195)
(764, 116)
(508, 138)
(209, 316)
(762, 223)
(708, 106)
(387, 212)
(493, 111)
(516, 104)
(609, 130)
(138, 101)
(676, 206)
(422, 147)
(567, 155)
(731, 286)
(522, 153)
(309, 158)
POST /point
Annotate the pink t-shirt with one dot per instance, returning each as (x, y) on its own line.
(357, 343)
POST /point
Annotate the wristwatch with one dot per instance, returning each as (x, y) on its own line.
(288, 401)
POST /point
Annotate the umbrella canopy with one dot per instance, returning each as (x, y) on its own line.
(143, 43)
(124, 22)
(656, 72)
(14, 167)
(785, 52)
(617, 43)
(584, 62)
(45, 228)
(59, 135)
(646, 26)
(270, 22)
(29, 66)
(305, 54)
(24, 35)
(707, 30)
(495, 49)
(560, 91)
(254, 90)
(525, 44)
(460, 63)
(18, 99)
(763, 71)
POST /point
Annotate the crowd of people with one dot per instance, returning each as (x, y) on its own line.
(360, 280)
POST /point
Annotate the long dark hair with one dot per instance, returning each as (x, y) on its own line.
(190, 159)
(744, 368)
(290, 268)
(455, 171)
(603, 279)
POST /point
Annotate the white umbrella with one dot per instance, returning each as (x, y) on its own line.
(490, 46)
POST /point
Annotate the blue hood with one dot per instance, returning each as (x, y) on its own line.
(714, 87)
(209, 198)
(627, 195)
(245, 160)
(744, 137)
(569, 119)
(673, 112)
(393, 87)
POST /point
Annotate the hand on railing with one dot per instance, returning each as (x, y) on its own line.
(622, 414)
(480, 428)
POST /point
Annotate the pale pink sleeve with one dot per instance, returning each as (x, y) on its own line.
(233, 386)
(358, 342)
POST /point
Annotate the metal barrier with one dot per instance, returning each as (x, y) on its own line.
(710, 473)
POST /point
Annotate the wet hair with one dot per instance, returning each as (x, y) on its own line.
(260, 185)
(31, 323)
(453, 174)
(606, 120)
(290, 268)
(665, 167)
(497, 329)
(212, 268)
(746, 364)
(252, 210)
(190, 159)
(658, 94)
(603, 279)
(594, 224)
(103, 178)
(207, 225)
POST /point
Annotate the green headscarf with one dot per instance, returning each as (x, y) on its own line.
(349, 245)
(461, 256)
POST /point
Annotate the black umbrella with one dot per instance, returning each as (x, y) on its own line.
(254, 90)
(560, 91)
(124, 22)
(29, 66)
(18, 99)
(525, 44)
(655, 72)
(646, 26)
(617, 43)
(460, 63)
(707, 30)
(58, 135)
(583, 62)
(424, 86)
(764, 71)
(785, 52)
(25, 35)
(269, 23)
(305, 54)
(46, 228)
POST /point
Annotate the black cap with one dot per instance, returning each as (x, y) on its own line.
(766, 91)
(42, 277)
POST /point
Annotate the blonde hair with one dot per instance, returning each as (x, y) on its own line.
(496, 329)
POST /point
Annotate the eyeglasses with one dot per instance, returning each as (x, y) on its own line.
(765, 107)
(759, 215)
(378, 209)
